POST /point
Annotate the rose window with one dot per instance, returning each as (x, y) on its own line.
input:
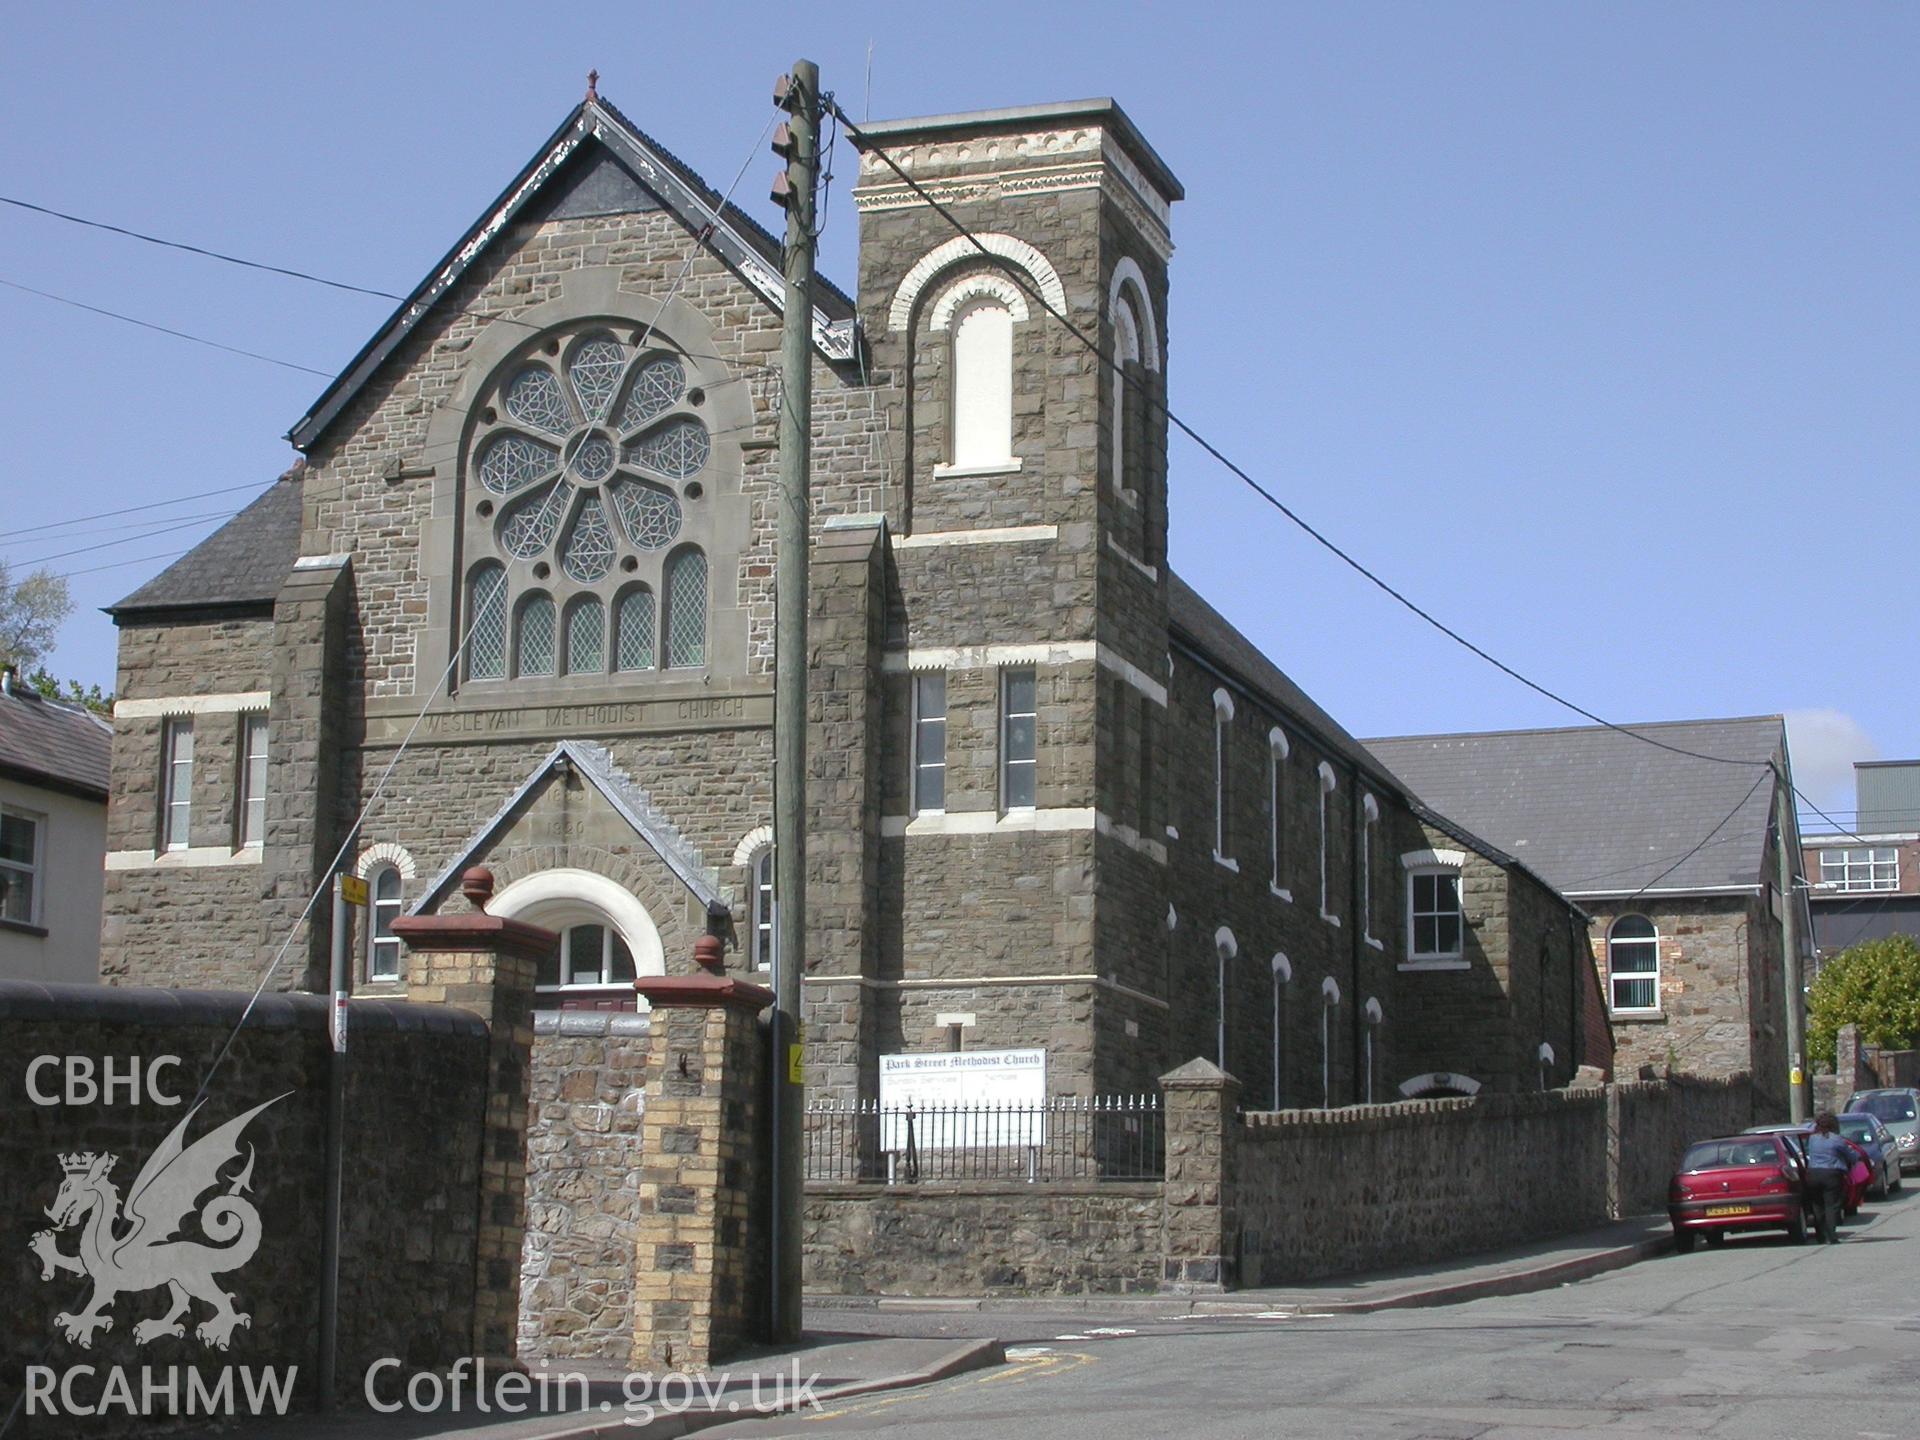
(587, 451)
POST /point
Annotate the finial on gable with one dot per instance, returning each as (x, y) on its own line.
(593, 84)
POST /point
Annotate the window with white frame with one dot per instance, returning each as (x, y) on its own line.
(1282, 983)
(1869, 867)
(1277, 752)
(1126, 397)
(1019, 738)
(1329, 1034)
(983, 383)
(252, 808)
(1370, 822)
(930, 743)
(21, 838)
(590, 954)
(763, 937)
(1633, 966)
(1222, 732)
(386, 893)
(1435, 924)
(176, 802)
(1327, 783)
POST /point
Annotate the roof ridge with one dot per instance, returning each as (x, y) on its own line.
(1615, 728)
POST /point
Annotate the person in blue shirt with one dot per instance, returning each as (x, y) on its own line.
(1829, 1159)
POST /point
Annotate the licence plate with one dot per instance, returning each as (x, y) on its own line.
(1714, 1210)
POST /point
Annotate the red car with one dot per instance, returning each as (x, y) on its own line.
(1742, 1182)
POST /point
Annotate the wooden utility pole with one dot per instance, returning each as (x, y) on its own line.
(1798, 1109)
(798, 142)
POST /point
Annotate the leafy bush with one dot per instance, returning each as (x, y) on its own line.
(1876, 986)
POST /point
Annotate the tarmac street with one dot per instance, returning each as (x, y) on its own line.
(1760, 1339)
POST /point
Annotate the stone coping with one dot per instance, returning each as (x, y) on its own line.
(702, 991)
(274, 1010)
(590, 1023)
(475, 931)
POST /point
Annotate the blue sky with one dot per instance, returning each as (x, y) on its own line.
(1590, 327)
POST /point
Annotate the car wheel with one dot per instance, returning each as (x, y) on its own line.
(1797, 1231)
(1683, 1241)
(1716, 1238)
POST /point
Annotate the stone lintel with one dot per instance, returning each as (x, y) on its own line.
(703, 992)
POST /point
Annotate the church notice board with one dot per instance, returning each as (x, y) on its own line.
(964, 1100)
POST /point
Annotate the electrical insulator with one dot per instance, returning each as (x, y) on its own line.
(782, 190)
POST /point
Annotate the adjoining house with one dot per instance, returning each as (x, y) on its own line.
(53, 835)
(1674, 857)
(1866, 882)
(1056, 800)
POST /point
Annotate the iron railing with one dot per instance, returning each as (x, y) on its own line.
(1101, 1137)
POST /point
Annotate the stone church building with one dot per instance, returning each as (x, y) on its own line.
(517, 601)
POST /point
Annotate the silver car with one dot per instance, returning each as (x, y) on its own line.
(1899, 1111)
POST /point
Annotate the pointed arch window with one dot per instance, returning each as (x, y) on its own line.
(533, 636)
(634, 625)
(586, 637)
(687, 609)
(487, 622)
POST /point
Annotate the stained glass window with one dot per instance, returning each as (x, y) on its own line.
(487, 623)
(534, 644)
(634, 622)
(586, 637)
(586, 455)
(687, 609)
(589, 550)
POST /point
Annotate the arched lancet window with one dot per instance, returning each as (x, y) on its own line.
(1282, 983)
(1329, 1004)
(1277, 752)
(1327, 783)
(487, 622)
(533, 636)
(1127, 375)
(1374, 1015)
(1222, 732)
(1225, 948)
(385, 895)
(763, 940)
(983, 383)
(1369, 822)
(1633, 966)
(586, 637)
(687, 609)
(636, 623)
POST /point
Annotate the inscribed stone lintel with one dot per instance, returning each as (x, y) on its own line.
(457, 726)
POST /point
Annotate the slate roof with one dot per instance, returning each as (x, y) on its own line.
(242, 563)
(1599, 813)
(60, 747)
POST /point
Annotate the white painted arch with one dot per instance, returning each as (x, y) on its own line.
(1438, 1080)
(1045, 278)
(957, 294)
(1127, 275)
(552, 895)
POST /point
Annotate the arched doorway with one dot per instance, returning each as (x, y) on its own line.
(606, 938)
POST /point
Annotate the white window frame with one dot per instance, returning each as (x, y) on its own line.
(176, 773)
(1329, 1004)
(1007, 716)
(1855, 868)
(1222, 791)
(1435, 959)
(1225, 950)
(34, 868)
(917, 763)
(251, 805)
(609, 932)
(1370, 822)
(381, 971)
(763, 935)
(1328, 783)
(1282, 984)
(1278, 751)
(1635, 975)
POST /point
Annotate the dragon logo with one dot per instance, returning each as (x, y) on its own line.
(137, 1249)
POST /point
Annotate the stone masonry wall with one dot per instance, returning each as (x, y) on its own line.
(415, 1101)
(583, 1186)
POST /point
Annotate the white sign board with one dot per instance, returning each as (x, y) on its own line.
(964, 1099)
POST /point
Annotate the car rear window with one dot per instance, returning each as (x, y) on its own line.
(1885, 1107)
(1722, 1154)
(1856, 1126)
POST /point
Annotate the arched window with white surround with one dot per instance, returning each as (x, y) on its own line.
(1225, 948)
(983, 383)
(1126, 393)
(1327, 784)
(763, 939)
(1277, 752)
(1373, 1015)
(607, 938)
(1369, 824)
(1222, 776)
(1633, 966)
(1329, 1032)
(386, 894)
(1282, 983)
(1436, 921)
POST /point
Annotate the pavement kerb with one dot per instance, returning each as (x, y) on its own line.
(970, 1355)
(1453, 1292)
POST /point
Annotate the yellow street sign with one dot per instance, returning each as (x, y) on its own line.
(353, 890)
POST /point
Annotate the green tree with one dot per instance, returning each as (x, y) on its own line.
(72, 692)
(1876, 986)
(30, 613)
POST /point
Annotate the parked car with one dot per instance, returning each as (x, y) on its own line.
(1899, 1111)
(1856, 1188)
(1883, 1155)
(1738, 1183)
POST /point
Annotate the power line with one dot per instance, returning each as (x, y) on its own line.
(241, 260)
(120, 564)
(1020, 278)
(124, 510)
(164, 329)
(146, 534)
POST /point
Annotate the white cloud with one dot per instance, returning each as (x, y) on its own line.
(1824, 745)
